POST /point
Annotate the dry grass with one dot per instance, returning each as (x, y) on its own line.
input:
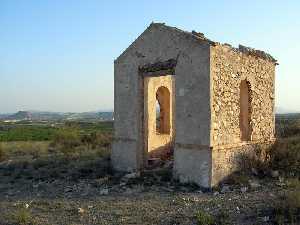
(2, 153)
(21, 149)
(204, 218)
(22, 216)
(287, 210)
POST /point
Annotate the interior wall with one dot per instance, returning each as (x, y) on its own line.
(158, 143)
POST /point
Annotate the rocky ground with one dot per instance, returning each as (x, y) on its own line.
(148, 198)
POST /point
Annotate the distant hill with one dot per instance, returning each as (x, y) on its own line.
(21, 115)
(280, 110)
(3, 116)
(51, 116)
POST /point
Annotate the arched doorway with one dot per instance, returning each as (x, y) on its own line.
(158, 116)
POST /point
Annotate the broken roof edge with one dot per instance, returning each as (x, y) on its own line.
(241, 48)
(201, 37)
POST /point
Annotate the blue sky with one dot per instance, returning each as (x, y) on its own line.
(57, 55)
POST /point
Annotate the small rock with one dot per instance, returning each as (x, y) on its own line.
(35, 185)
(154, 162)
(266, 218)
(104, 191)
(68, 189)
(254, 184)
(168, 164)
(122, 184)
(225, 189)
(274, 173)
(216, 193)
(254, 171)
(168, 189)
(80, 210)
(132, 175)
(281, 179)
(271, 195)
(244, 189)
(184, 189)
(128, 191)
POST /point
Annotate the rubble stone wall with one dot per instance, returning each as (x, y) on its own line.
(228, 68)
(225, 161)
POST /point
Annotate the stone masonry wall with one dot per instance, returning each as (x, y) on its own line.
(228, 68)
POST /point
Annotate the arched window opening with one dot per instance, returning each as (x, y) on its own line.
(245, 110)
(157, 108)
(163, 111)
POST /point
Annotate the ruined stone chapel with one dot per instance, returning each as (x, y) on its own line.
(205, 103)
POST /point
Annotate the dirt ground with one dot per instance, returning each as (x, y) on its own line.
(111, 200)
(43, 187)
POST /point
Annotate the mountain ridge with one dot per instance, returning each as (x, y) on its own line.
(44, 115)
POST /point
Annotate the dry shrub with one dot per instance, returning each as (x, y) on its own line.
(255, 160)
(287, 210)
(223, 218)
(285, 156)
(96, 139)
(34, 149)
(66, 140)
(23, 216)
(2, 153)
(238, 178)
(287, 127)
(204, 218)
(67, 137)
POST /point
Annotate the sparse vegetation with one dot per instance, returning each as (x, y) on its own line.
(74, 164)
(287, 125)
(2, 153)
(238, 178)
(65, 157)
(204, 218)
(285, 156)
(25, 131)
(282, 156)
(22, 216)
(287, 209)
(223, 218)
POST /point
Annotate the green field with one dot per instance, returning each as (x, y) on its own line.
(46, 131)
